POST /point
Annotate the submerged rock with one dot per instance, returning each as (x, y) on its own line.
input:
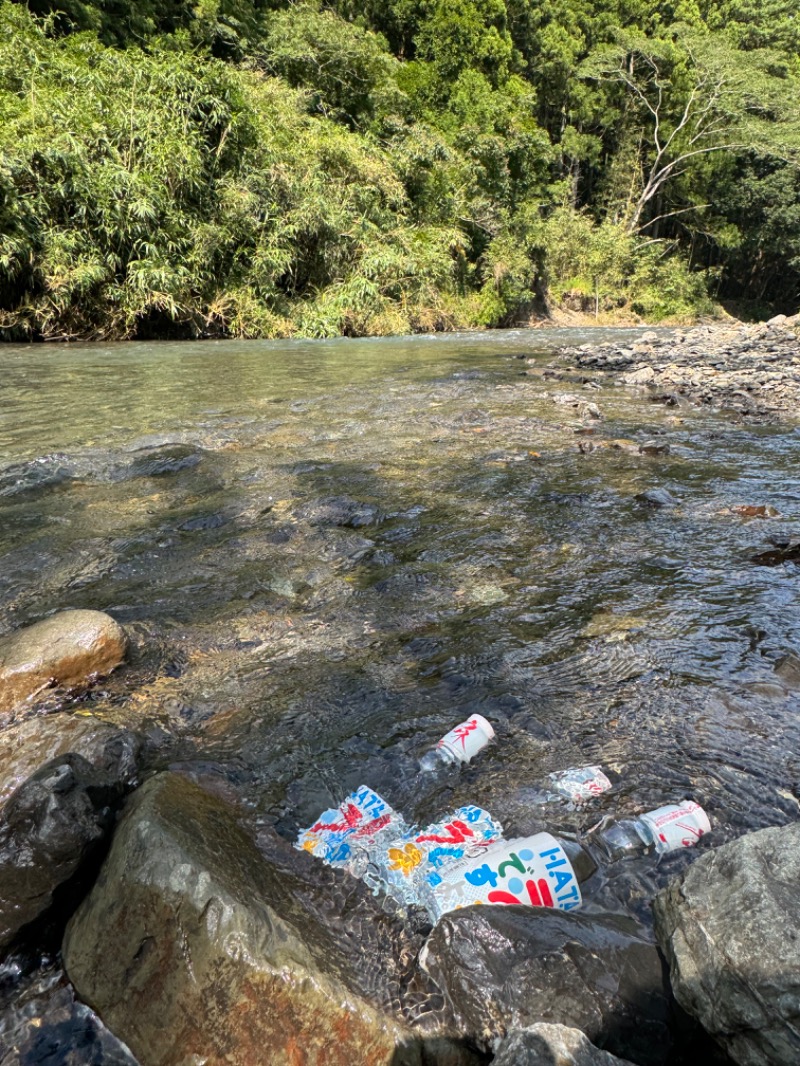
(60, 779)
(68, 650)
(656, 498)
(551, 1045)
(340, 511)
(788, 669)
(730, 927)
(27, 746)
(162, 461)
(504, 968)
(762, 510)
(654, 447)
(782, 552)
(188, 949)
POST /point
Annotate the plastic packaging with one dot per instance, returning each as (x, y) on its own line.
(532, 871)
(459, 745)
(666, 829)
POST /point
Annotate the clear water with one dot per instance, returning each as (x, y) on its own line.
(329, 553)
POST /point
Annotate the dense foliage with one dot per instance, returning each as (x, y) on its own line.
(257, 169)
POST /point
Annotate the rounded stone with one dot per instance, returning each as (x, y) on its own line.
(69, 650)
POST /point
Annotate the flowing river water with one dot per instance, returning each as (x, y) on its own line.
(328, 553)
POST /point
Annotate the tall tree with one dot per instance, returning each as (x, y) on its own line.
(691, 96)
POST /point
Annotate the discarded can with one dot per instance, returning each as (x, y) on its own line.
(579, 783)
(461, 744)
(361, 816)
(533, 871)
(666, 829)
(680, 825)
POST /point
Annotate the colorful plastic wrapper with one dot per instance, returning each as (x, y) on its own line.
(533, 871)
(580, 783)
(468, 738)
(679, 825)
(358, 819)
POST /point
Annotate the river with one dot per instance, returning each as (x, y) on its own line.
(328, 553)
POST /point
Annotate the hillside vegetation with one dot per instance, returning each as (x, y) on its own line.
(243, 168)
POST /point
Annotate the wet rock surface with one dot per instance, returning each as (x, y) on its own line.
(51, 827)
(68, 651)
(508, 968)
(43, 1023)
(752, 370)
(27, 746)
(61, 780)
(551, 1045)
(186, 948)
(730, 927)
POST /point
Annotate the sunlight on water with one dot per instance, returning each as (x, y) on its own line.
(328, 553)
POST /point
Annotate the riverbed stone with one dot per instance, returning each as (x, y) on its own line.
(656, 498)
(552, 1045)
(733, 367)
(187, 950)
(788, 669)
(60, 781)
(41, 1023)
(730, 927)
(504, 968)
(27, 746)
(68, 650)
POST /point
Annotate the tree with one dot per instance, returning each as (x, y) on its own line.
(693, 96)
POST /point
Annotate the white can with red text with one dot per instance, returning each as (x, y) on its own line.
(532, 871)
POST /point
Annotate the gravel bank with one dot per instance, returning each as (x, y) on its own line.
(753, 370)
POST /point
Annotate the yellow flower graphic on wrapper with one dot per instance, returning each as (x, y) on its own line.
(405, 859)
(309, 845)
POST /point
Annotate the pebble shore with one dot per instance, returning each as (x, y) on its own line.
(753, 370)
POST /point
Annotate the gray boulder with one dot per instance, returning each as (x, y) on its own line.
(551, 1045)
(503, 968)
(27, 746)
(60, 781)
(192, 950)
(730, 927)
(68, 650)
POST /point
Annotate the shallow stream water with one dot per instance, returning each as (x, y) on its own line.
(328, 553)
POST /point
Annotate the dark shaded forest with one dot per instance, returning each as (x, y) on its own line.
(255, 169)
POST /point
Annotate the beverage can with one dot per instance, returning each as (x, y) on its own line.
(533, 871)
(679, 825)
(358, 818)
(468, 738)
(580, 783)
(419, 856)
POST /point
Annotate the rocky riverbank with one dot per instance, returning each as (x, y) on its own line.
(204, 935)
(751, 370)
(304, 596)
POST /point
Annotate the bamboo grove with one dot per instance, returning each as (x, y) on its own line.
(242, 168)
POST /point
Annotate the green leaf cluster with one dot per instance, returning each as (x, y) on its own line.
(257, 168)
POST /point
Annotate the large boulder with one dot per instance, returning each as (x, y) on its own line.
(730, 927)
(60, 781)
(503, 968)
(68, 650)
(188, 950)
(551, 1045)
